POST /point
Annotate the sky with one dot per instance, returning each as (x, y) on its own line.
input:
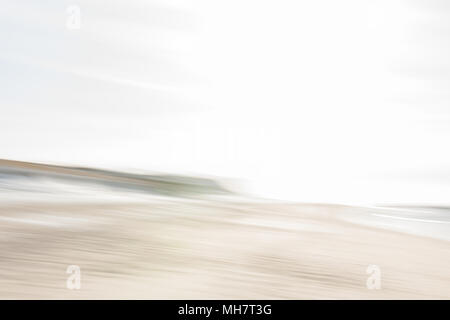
(324, 101)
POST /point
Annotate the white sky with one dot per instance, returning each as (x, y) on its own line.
(338, 101)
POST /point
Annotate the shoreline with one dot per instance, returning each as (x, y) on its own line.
(213, 250)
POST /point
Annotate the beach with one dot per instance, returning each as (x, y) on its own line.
(211, 249)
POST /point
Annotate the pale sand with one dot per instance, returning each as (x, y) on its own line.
(211, 250)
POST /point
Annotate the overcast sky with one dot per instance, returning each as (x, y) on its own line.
(340, 101)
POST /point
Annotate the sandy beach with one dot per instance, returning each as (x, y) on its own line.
(194, 249)
(225, 150)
